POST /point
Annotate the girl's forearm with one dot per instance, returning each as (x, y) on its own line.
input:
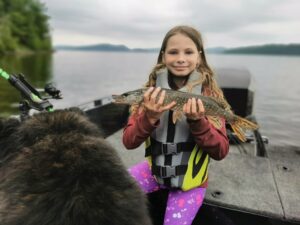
(137, 130)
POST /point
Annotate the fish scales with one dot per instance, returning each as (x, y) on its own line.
(212, 107)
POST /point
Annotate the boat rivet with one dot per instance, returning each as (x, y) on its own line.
(284, 168)
(217, 194)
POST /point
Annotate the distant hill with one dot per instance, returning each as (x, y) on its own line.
(105, 47)
(145, 50)
(271, 49)
(98, 47)
(215, 50)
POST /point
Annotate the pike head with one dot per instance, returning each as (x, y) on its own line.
(130, 97)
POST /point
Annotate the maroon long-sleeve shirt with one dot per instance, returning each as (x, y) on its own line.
(212, 140)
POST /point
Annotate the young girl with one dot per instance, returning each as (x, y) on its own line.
(177, 154)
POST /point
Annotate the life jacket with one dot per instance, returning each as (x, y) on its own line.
(176, 160)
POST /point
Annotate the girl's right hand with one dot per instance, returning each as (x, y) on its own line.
(154, 109)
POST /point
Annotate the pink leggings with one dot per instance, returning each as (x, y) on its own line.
(182, 206)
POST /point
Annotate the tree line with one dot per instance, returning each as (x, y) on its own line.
(23, 26)
(269, 49)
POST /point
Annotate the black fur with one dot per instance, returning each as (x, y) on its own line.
(62, 172)
(7, 129)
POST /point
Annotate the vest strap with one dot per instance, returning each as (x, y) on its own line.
(168, 171)
(159, 148)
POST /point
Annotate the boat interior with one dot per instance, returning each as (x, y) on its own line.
(257, 181)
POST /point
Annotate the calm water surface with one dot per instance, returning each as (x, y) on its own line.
(85, 76)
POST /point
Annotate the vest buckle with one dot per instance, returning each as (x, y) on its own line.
(169, 148)
(167, 171)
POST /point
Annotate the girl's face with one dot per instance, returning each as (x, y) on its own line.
(181, 56)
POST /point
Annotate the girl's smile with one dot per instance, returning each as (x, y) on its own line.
(181, 56)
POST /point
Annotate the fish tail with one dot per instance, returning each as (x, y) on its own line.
(240, 125)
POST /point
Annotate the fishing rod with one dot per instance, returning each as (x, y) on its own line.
(31, 98)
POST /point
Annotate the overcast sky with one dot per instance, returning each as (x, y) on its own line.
(143, 23)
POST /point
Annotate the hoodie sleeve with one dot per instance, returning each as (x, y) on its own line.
(137, 130)
(214, 141)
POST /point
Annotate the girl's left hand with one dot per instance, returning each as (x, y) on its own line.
(194, 110)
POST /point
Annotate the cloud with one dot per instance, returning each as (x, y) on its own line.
(143, 23)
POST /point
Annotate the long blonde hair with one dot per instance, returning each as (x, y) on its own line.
(208, 81)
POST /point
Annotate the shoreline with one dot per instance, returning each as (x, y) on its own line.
(26, 52)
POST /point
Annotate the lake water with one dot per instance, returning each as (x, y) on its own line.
(85, 76)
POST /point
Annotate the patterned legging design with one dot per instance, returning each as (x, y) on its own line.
(182, 206)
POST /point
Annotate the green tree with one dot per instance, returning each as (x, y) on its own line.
(8, 43)
(23, 25)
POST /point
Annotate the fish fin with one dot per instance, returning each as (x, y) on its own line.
(142, 108)
(189, 87)
(240, 125)
(137, 108)
(177, 115)
(239, 132)
(215, 121)
(192, 84)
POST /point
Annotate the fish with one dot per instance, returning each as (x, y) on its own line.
(214, 107)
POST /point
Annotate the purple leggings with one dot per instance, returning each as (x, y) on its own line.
(182, 206)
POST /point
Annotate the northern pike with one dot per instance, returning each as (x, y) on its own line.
(214, 107)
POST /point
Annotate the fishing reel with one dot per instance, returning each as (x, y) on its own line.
(31, 97)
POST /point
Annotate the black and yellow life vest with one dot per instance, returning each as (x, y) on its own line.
(176, 160)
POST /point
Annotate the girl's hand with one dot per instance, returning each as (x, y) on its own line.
(154, 109)
(194, 110)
